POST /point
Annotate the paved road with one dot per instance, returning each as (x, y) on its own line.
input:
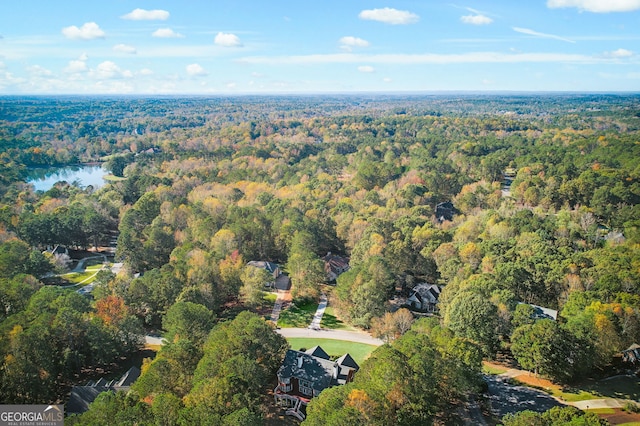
(501, 391)
(154, 340)
(507, 398)
(80, 266)
(351, 336)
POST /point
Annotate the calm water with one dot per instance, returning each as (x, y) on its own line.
(43, 179)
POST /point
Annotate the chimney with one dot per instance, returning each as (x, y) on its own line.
(299, 361)
(336, 370)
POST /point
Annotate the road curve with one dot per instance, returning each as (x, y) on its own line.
(351, 336)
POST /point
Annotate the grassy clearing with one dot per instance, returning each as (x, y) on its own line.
(154, 348)
(622, 387)
(630, 424)
(270, 298)
(94, 268)
(601, 410)
(78, 277)
(112, 178)
(335, 348)
(298, 315)
(566, 394)
(492, 369)
(331, 321)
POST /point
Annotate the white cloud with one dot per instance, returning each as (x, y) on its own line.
(195, 70)
(349, 42)
(83, 57)
(227, 40)
(531, 32)
(125, 48)
(366, 68)
(76, 66)
(146, 71)
(109, 70)
(37, 70)
(146, 15)
(620, 53)
(428, 58)
(389, 16)
(387, 80)
(88, 31)
(231, 85)
(476, 19)
(166, 33)
(596, 6)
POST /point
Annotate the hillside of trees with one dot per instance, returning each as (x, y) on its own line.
(212, 183)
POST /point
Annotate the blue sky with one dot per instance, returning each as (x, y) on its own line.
(328, 46)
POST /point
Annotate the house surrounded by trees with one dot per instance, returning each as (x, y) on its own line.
(303, 375)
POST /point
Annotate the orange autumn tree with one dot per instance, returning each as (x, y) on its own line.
(112, 310)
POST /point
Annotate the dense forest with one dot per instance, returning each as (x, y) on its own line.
(546, 191)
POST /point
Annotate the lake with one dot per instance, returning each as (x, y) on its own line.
(43, 179)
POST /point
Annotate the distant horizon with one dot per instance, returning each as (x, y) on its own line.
(331, 47)
(303, 94)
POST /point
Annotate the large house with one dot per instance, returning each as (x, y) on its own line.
(335, 265)
(82, 396)
(631, 354)
(540, 312)
(280, 281)
(424, 297)
(304, 375)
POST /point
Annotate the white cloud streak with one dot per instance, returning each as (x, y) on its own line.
(125, 48)
(227, 40)
(108, 70)
(195, 70)
(531, 32)
(146, 15)
(428, 58)
(88, 31)
(391, 16)
(476, 19)
(620, 53)
(349, 42)
(366, 69)
(166, 33)
(596, 6)
(76, 67)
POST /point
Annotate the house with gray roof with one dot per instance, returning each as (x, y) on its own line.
(82, 396)
(424, 297)
(304, 375)
(335, 265)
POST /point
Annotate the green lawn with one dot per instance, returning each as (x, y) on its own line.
(270, 298)
(601, 410)
(329, 320)
(77, 277)
(335, 348)
(112, 178)
(492, 369)
(298, 315)
(623, 387)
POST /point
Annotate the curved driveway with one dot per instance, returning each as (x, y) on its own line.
(351, 336)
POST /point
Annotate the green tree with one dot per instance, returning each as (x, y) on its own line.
(472, 316)
(253, 283)
(186, 320)
(305, 268)
(546, 348)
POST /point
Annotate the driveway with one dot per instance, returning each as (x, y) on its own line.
(507, 398)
